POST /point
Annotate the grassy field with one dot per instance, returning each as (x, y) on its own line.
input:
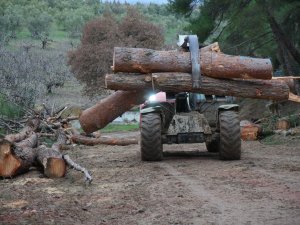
(120, 127)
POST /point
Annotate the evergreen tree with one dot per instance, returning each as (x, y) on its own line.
(265, 28)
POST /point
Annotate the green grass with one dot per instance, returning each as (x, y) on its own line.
(24, 34)
(8, 109)
(272, 140)
(120, 127)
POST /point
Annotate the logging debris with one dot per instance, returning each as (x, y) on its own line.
(27, 148)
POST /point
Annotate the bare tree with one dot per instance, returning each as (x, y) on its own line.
(28, 72)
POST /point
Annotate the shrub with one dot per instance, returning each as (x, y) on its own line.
(93, 58)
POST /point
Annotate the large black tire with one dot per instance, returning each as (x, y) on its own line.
(151, 142)
(230, 136)
(214, 144)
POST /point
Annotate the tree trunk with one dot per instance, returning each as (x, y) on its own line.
(80, 139)
(109, 108)
(181, 82)
(281, 38)
(213, 63)
(17, 158)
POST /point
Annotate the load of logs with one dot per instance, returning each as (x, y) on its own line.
(137, 71)
(24, 149)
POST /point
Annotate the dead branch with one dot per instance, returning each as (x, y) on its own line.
(60, 109)
(61, 112)
(80, 139)
(77, 167)
(32, 125)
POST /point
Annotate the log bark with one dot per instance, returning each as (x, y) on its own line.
(181, 82)
(51, 162)
(109, 108)
(213, 63)
(80, 139)
(17, 158)
(50, 159)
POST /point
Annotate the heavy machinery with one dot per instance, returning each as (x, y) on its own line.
(168, 118)
(182, 115)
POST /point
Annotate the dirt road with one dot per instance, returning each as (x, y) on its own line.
(262, 188)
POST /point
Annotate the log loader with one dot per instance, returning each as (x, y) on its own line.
(181, 115)
(168, 118)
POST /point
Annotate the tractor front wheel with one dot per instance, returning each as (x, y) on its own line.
(230, 136)
(151, 142)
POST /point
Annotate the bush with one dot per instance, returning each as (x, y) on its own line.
(93, 58)
(8, 109)
(39, 24)
(28, 73)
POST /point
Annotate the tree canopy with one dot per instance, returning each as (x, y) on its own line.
(264, 28)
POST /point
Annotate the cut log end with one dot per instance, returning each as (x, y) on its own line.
(9, 164)
(55, 168)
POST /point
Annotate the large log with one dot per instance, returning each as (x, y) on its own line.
(181, 82)
(213, 63)
(17, 158)
(109, 108)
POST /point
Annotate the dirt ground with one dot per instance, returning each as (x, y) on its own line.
(262, 188)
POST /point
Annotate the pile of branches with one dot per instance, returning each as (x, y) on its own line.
(25, 149)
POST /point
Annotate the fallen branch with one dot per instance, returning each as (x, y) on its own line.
(77, 167)
(4, 124)
(32, 125)
(80, 139)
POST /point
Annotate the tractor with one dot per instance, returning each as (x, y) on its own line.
(177, 118)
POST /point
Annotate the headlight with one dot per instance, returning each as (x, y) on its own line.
(152, 98)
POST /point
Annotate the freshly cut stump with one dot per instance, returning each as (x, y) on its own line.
(51, 161)
(151, 142)
(17, 158)
(8, 163)
(230, 136)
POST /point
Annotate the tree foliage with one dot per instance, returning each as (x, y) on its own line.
(93, 58)
(264, 28)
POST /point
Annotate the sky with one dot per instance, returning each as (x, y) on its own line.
(142, 1)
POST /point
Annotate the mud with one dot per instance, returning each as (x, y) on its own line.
(262, 188)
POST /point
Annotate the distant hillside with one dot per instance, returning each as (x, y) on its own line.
(140, 1)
